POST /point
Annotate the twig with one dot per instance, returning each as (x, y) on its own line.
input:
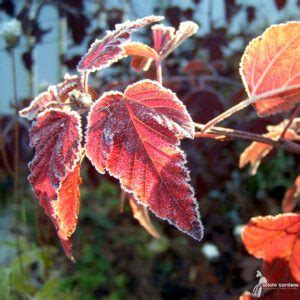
(233, 133)
(292, 117)
(246, 103)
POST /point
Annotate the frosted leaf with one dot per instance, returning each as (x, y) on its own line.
(40, 103)
(110, 49)
(135, 137)
(56, 138)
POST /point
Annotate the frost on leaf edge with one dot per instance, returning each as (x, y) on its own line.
(245, 54)
(184, 162)
(78, 153)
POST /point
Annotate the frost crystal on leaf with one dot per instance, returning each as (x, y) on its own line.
(110, 49)
(135, 137)
(56, 138)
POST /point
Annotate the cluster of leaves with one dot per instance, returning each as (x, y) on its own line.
(135, 135)
(270, 63)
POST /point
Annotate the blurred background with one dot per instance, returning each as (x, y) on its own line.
(117, 258)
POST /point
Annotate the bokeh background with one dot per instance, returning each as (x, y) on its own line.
(116, 258)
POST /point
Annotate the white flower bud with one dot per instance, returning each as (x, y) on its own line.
(11, 32)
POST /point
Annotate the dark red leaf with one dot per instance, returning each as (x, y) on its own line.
(204, 105)
(41, 102)
(280, 4)
(135, 136)
(105, 52)
(56, 138)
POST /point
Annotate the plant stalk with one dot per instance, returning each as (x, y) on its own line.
(246, 103)
(233, 133)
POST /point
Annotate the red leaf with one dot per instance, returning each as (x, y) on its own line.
(135, 136)
(254, 153)
(140, 212)
(110, 49)
(272, 238)
(161, 36)
(56, 137)
(69, 84)
(63, 212)
(270, 62)
(41, 102)
(291, 196)
(185, 30)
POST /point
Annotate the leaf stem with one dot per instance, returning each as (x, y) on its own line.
(158, 71)
(246, 103)
(85, 81)
(233, 133)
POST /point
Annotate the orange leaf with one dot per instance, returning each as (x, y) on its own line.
(254, 153)
(291, 196)
(64, 211)
(140, 49)
(142, 56)
(139, 63)
(141, 213)
(275, 239)
(271, 62)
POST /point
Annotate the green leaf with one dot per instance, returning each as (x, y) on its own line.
(4, 283)
(21, 278)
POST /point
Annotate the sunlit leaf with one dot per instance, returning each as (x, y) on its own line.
(270, 63)
(185, 30)
(161, 36)
(139, 63)
(110, 49)
(275, 239)
(254, 153)
(63, 211)
(140, 49)
(142, 55)
(135, 136)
